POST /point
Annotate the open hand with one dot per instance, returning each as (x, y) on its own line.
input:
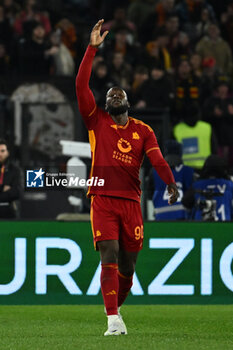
(173, 193)
(96, 39)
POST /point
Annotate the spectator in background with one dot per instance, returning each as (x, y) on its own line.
(62, 60)
(119, 20)
(141, 74)
(218, 111)
(181, 49)
(211, 197)
(212, 45)
(196, 64)
(107, 9)
(97, 59)
(163, 10)
(184, 178)
(190, 11)
(156, 19)
(156, 53)
(9, 184)
(100, 82)
(28, 16)
(197, 138)
(227, 24)
(209, 78)
(34, 56)
(4, 61)
(68, 35)
(156, 92)
(172, 30)
(11, 9)
(187, 88)
(121, 72)
(6, 33)
(121, 44)
(139, 10)
(203, 24)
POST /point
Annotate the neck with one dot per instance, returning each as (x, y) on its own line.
(120, 119)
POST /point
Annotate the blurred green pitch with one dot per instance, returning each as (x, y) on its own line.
(149, 327)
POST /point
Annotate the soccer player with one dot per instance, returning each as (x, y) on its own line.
(118, 144)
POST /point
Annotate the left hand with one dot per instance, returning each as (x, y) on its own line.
(173, 193)
(6, 188)
(96, 38)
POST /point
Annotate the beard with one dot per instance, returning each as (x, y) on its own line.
(116, 110)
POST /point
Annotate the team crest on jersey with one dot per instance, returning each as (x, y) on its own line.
(124, 145)
(136, 136)
(98, 233)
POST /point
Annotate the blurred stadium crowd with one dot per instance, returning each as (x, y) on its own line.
(164, 53)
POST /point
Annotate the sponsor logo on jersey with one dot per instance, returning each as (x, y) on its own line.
(124, 145)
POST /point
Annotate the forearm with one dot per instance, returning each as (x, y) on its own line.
(85, 97)
(161, 166)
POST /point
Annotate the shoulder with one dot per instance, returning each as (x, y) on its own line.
(140, 124)
(204, 124)
(203, 40)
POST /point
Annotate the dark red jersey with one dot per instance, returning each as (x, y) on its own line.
(117, 151)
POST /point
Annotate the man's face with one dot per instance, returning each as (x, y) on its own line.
(116, 101)
(184, 69)
(172, 24)
(4, 154)
(213, 32)
(223, 90)
(118, 59)
(39, 32)
(157, 74)
(101, 71)
(121, 37)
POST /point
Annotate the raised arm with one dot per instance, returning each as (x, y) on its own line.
(85, 97)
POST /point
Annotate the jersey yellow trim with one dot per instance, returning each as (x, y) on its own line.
(92, 141)
(92, 221)
(89, 115)
(151, 149)
(137, 121)
(117, 126)
(91, 216)
(111, 266)
(123, 126)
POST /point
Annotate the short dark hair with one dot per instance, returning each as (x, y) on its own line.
(4, 142)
